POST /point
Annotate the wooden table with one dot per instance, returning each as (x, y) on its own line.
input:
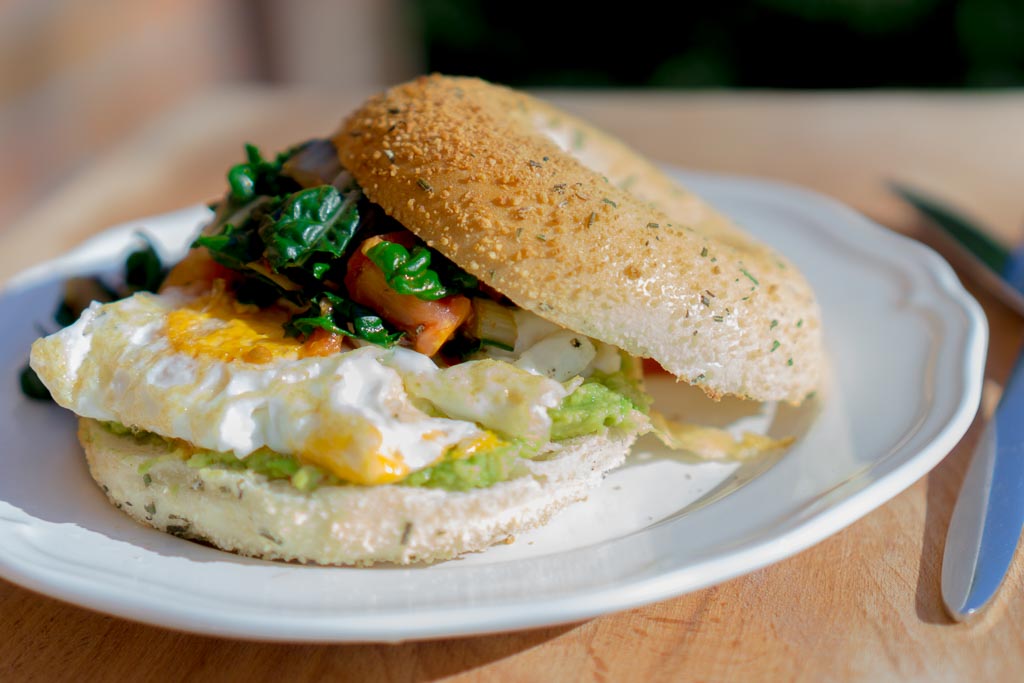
(862, 605)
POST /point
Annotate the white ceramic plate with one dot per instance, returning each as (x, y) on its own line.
(907, 345)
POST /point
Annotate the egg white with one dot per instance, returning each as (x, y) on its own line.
(181, 366)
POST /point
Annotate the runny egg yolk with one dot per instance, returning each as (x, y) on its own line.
(470, 447)
(349, 447)
(379, 439)
(216, 326)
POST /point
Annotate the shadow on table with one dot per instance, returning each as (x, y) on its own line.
(943, 484)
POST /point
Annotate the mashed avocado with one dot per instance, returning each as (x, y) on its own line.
(264, 461)
(601, 402)
(270, 464)
(477, 471)
(591, 408)
(628, 382)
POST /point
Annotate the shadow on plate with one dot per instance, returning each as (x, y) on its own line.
(689, 404)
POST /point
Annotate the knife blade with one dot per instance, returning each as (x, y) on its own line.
(991, 262)
(988, 517)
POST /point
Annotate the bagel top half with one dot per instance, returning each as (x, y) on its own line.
(569, 223)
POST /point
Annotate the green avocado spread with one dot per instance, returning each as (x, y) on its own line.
(601, 402)
(589, 409)
(479, 470)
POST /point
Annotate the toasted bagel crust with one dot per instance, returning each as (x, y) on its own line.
(570, 224)
(245, 513)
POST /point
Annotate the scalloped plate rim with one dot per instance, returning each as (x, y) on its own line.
(472, 619)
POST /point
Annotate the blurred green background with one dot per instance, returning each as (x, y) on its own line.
(77, 77)
(748, 44)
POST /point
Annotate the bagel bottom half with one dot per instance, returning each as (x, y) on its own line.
(245, 513)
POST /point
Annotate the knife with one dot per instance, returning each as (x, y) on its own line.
(996, 266)
(989, 513)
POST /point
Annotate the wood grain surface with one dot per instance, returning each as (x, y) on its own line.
(862, 605)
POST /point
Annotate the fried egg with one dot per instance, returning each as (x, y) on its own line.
(223, 376)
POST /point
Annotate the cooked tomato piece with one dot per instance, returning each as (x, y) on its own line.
(428, 324)
(321, 343)
(652, 367)
(197, 269)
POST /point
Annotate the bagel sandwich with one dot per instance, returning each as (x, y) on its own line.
(423, 335)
